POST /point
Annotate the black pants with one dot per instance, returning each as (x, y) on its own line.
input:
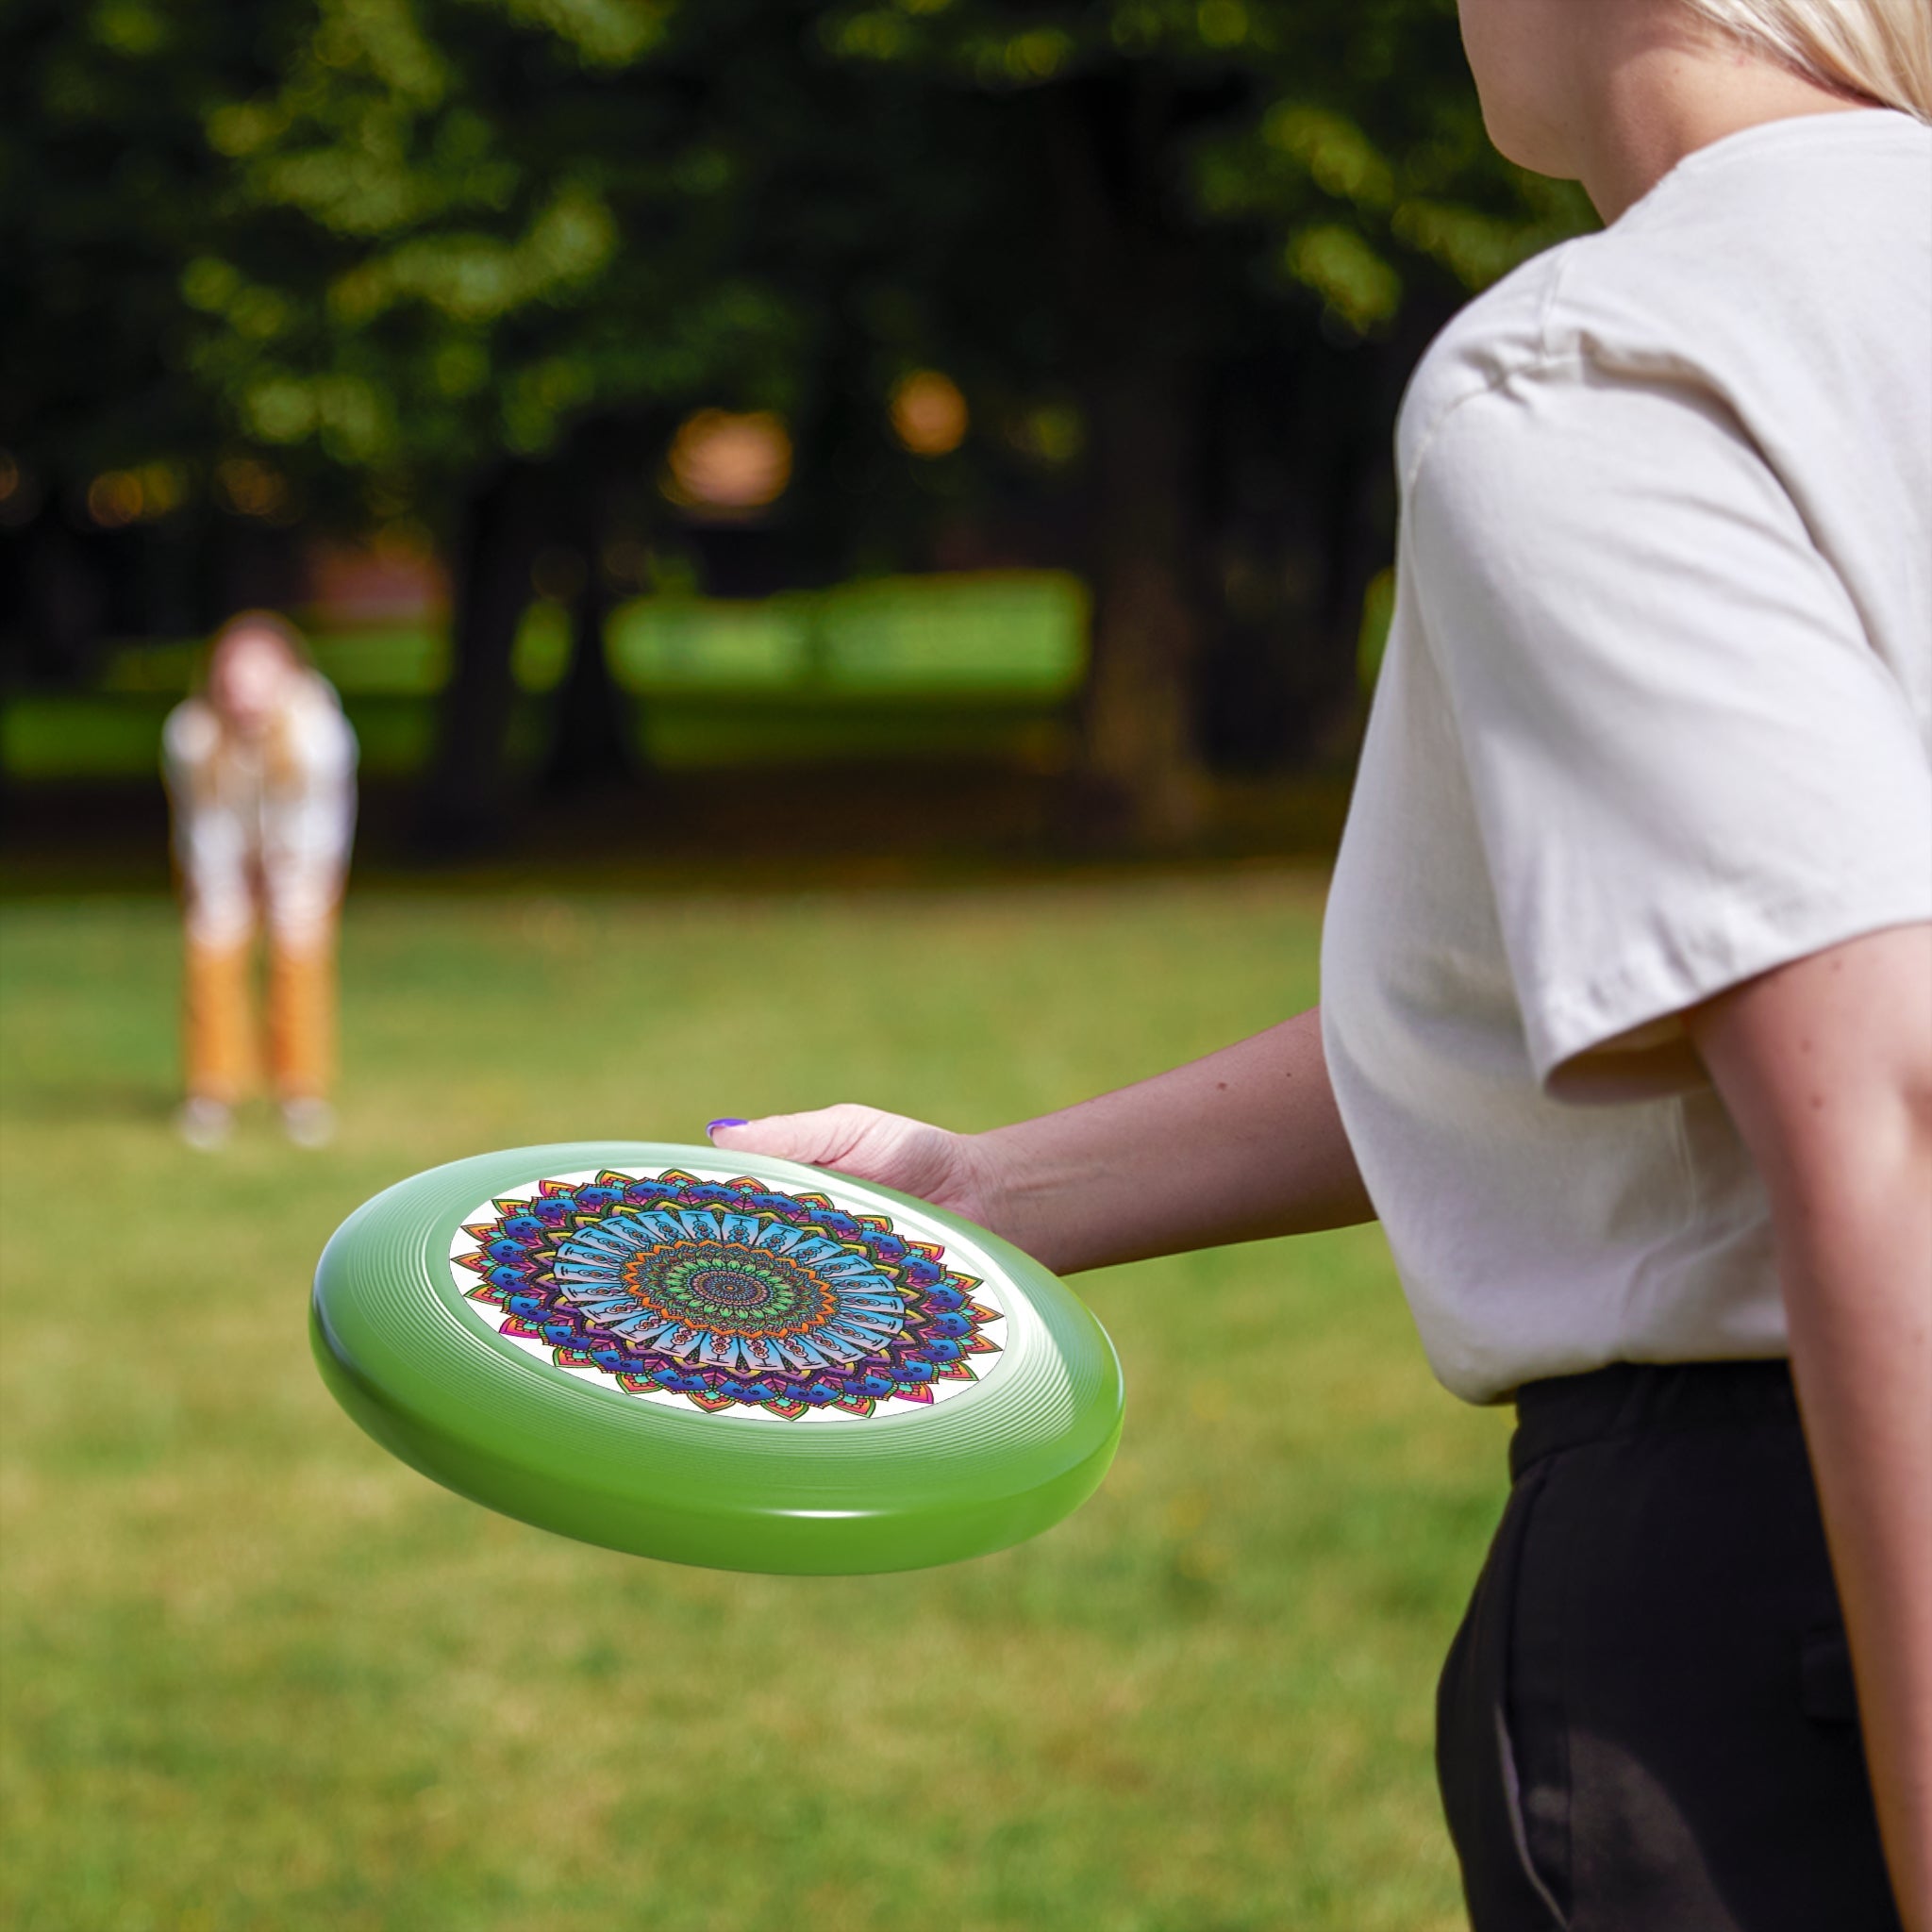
(1646, 1721)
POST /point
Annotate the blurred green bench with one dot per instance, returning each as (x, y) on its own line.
(978, 665)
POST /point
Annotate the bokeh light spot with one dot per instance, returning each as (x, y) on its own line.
(929, 415)
(250, 488)
(728, 464)
(114, 499)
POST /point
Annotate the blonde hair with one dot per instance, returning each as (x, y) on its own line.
(1879, 50)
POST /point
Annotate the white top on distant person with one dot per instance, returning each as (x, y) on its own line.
(1629, 964)
(260, 767)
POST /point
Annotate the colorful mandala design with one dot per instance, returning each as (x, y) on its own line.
(729, 1294)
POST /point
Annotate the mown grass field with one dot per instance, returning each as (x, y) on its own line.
(257, 1675)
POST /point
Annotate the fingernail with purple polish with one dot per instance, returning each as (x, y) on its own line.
(713, 1127)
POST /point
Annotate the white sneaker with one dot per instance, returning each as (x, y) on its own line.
(204, 1123)
(309, 1121)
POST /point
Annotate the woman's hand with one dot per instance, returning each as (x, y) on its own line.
(1239, 1146)
(949, 1170)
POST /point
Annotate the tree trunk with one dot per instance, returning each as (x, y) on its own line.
(1132, 302)
(468, 795)
(594, 745)
(1140, 736)
(62, 602)
(591, 745)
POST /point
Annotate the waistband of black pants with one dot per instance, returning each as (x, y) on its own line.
(1637, 1398)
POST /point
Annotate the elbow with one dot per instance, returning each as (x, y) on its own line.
(1859, 1176)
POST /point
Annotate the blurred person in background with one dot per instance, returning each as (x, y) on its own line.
(1626, 1022)
(261, 768)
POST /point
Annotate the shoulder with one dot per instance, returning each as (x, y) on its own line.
(1497, 337)
(318, 710)
(191, 735)
(1748, 270)
(1608, 308)
(321, 735)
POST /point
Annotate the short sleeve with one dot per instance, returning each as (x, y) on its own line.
(321, 738)
(188, 740)
(1688, 763)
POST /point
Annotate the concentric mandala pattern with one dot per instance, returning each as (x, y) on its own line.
(729, 1294)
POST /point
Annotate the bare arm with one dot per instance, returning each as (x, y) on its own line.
(1241, 1145)
(1827, 1068)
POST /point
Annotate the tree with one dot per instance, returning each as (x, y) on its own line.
(470, 261)
(109, 190)
(493, 239)
(1217, 201)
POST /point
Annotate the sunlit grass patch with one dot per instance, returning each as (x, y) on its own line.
(259, 1675)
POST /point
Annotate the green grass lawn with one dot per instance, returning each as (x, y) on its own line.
(257, 1675)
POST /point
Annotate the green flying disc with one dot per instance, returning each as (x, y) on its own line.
(716, 1359)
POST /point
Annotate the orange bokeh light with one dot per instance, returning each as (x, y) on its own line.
(728, 464)
(115, 499)
(251, 488)
(929, 415)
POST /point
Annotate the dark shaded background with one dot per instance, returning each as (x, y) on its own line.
(390, 314)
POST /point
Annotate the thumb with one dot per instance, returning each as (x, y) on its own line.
(861, 1140)
(817, 1139)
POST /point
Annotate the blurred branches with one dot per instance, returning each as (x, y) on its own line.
(470, 262)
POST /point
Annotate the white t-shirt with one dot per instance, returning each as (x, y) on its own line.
(1656, 716)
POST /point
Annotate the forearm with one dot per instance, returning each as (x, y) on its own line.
(1827, 1068)
(1242, 1145)
(1857, 1282)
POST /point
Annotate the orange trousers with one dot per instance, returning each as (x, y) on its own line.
(221, 1045)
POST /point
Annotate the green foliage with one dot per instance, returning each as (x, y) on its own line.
(108, 189)
(498, 238)
(260, 1674)
(1347, 133)
(396, 239)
